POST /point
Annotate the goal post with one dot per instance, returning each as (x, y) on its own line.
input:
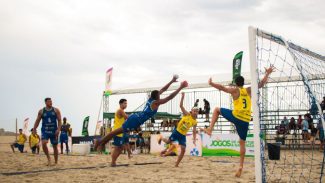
(295, 67)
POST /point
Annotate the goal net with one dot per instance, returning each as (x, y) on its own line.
(288, 118)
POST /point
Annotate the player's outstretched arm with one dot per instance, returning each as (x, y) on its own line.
(181, 105)
(268, 71)
(221, 87)
(165, 88)
(184, 84)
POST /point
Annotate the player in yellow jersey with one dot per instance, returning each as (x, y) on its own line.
(119, 140)
(171, 150)
(241, 115)
(179, 134)
(34, 142)
(20, 142)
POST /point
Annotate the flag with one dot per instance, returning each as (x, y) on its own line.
(25, 128)
(85, 127)
(236, 63)
(108, 82)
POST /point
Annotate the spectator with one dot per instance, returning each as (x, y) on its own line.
(309, 119)
(201, 112)
(322, 105)
(292, 124)
(320, 132)
(299, 122)
(305, 126)
(281, 129)
(196, 103)
(34, 142)
(20, 142)
(286, 123)
(313, 132)
(207, 110)
(140, 142)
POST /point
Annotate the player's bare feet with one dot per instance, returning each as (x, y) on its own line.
(48, 163)
(239, 171)
(206, 130)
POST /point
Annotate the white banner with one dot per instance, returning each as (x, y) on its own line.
(225, 145)
(191, 149)
(25, 128)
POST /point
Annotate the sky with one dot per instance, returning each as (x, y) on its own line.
(61, 49)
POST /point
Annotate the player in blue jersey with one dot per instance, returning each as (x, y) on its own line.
(137, 119)
(51, 125)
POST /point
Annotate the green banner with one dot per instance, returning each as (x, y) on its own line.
(85, 127)
(236, 66)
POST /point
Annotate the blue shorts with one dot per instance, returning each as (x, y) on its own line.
(53, 139)
(34, 149)
(20, 147)
(126, 138)
(118, 141)
(64, 137)
(180, 138)
(241, 126)
(132, 123)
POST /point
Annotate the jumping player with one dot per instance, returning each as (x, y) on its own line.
(179, 134)
(135, 120)
(241, 115)
(51, 125)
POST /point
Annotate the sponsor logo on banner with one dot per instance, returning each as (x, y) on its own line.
(225, 145)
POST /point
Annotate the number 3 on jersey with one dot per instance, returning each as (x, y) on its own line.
(244, 103)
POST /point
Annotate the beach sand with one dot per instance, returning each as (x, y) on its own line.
(95, 168)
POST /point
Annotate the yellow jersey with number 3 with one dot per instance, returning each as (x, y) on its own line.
(185, 124)
(118, 122)
(242, 106)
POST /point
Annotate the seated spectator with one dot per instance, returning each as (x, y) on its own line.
(292, 124)
(20, 142)
(281, 129)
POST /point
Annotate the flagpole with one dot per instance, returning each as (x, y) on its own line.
(100, 108)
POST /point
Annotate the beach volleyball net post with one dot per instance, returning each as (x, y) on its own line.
(294, 66)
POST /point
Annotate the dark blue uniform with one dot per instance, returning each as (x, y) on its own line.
(137, 119)
(49, 125)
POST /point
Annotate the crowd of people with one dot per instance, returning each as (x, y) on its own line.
(304, 125)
